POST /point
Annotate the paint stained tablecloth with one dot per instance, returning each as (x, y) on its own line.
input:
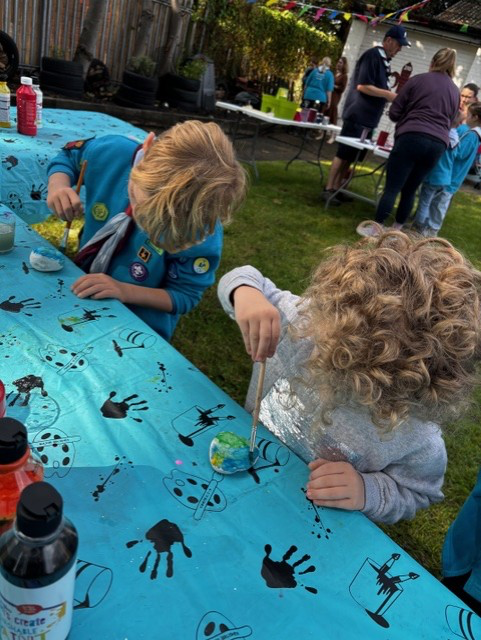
(168, 547)
(24, 159)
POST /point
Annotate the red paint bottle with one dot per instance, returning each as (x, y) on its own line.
(26, 108)
(18, 468)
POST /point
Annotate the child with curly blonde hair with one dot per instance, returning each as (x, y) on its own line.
(153, 218)
(363, 369)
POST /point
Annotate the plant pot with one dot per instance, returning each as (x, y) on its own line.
(65, 67)
(141, 83)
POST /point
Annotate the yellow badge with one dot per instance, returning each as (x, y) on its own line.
(144, 254)
(201, 265)
(99, 211)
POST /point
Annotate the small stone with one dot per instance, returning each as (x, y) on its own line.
(230, 453)
(46, 259)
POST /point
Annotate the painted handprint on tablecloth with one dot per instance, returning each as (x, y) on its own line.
(117, 410)
(163, 536)
(12, 161)
(281, 574)
(25, 386)
(20, 305)
(38, 192)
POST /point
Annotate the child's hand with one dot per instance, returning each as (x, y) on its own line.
(335, 484)
(65, 203)
(259, 322)
(98, 286)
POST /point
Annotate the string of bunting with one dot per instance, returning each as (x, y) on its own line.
(401, 15)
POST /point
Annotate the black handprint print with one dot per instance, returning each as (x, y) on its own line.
(280, 575)
(116, 410)
(163, 535)
(16, 307)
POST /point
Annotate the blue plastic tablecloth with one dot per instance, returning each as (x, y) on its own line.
(168, 547)
(24, 159)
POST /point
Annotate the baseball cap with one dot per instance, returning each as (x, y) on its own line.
(398, 33)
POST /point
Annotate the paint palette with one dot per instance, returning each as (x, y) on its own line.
(229, 453)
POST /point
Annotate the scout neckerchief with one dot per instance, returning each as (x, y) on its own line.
(96, 255)
(385, 59)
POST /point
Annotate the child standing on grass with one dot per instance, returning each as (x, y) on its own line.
(365, 366)
(153, 221)
(448, 175)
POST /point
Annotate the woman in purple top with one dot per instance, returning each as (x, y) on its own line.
(423, 111)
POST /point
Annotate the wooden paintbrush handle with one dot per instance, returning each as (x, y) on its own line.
(78, 187)
(257, 406)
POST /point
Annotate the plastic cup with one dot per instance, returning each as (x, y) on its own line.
(7, 231)
(382, 138)
(364, 134)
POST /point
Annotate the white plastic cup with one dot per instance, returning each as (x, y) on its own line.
(7, 231)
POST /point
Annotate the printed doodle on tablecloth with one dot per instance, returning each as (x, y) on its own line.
(376, 589)
(12, 305)
(163, 535)
(40, 411)
(133, 339)
(463, 623)
(64, 359)
(215, 626)
(72, 320)
(196, 493)
(25, 386)
(196, 420)
(92, 584)
(107, 479)
(319, 530)
(56, 450)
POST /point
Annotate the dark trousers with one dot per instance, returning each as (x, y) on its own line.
(411, 159)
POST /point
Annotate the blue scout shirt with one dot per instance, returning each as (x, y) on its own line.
(440, 175)
(467, 150)
(317, 84)
(184, 275)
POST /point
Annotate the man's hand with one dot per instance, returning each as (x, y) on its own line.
(98, 286)
(335, 484)
(259, 322)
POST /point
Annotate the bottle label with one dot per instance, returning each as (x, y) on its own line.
(4, 108)
(37, 614)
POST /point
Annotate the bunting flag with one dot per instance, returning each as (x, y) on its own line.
(402, 15)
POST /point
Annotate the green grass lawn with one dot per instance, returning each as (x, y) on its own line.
(282, 230)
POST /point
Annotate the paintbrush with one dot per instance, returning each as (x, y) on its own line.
(63, 242)
(257, 408)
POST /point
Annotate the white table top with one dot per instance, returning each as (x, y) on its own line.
(381, 152)
(268, 117)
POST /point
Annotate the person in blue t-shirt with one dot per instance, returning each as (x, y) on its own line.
(318, 86)
(448, 175)
(153, 217)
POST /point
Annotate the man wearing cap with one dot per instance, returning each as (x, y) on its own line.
(365, 101)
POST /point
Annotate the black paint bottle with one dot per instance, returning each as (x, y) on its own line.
(37, 568)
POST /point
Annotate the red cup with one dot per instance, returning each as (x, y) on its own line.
(382, 138)
(2, 400)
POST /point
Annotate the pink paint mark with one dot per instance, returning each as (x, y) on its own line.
(179, 462)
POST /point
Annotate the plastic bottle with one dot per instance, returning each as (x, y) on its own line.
(37, 568)
(39, 94)
(18, 468)
(4, 102)
(26, 108)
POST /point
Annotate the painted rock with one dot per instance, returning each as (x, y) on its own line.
(46, 259)
(229, 453)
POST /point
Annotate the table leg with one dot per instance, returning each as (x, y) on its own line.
(300, 150)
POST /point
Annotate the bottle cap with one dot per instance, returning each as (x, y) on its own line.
(13, 440)
(25, 80)
(39, 510)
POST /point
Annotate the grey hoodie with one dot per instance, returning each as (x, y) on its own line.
(402, 471)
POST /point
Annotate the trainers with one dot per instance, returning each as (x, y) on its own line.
(369, 229)
(327, 193)
(344, 198)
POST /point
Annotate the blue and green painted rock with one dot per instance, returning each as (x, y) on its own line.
(229, 453)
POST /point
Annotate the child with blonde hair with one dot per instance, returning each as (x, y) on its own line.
(365, 366)
(153, 218)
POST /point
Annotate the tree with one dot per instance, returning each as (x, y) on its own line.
(173, 42)
(85, 51)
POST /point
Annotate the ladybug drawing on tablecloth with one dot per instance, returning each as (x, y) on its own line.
(215, 626)
(56, 450)
(162, 536)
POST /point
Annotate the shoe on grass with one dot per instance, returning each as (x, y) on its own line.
(344, 197)
(369, 229)
(327, 193)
